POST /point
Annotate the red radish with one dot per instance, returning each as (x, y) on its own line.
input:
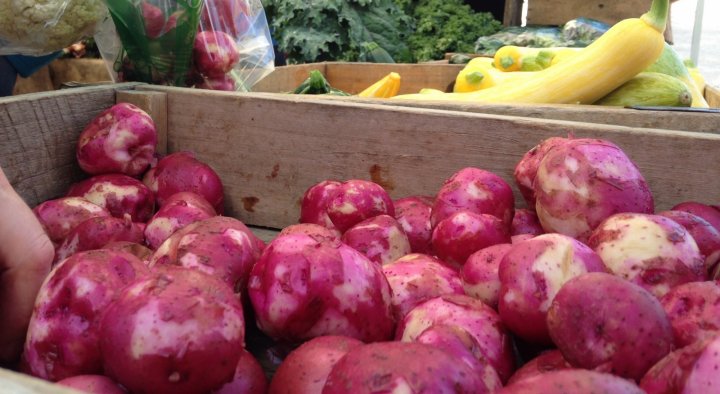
(416, 278)
(249, 377)
(179, 210)
(154, 20)
(122, 139)
(64, 332)
(688, 370)
(413, 214)
(582, 182)
(525, 221)
(313, 208)
(694, 311)
(97, 232)
(475, 190)
(356, 200)
(92, 384)
(479, 274)
(548, 361)
(230, 16)
(526, 169)
(463, 233)
(302, 288)
(306, 368)
(215, 53)
(177, 331)
(60, 216)
(380, 238)
(705, 235)
(573, 381)
(707, 212)
(119, 194)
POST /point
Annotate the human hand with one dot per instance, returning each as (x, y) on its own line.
(26, 255)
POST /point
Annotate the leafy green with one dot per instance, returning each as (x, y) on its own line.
(311, 31)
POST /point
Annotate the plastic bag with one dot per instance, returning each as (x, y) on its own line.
(34, 29)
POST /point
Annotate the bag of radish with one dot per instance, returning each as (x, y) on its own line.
(210, 44)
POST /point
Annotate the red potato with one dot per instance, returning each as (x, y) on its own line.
(301, 288)
(249, 377)
(97, 232)
(220, 246)
(475, 190)
(142, 252)
(59, 216)
(215, 53)
(705, 235)
(603, 322)
(708, 212)
(479, 274)
(478, 319)
(122, 139)
(179, 210)
(694, 311)
(649, 250)
(313, 208)
(415, 278)
(526, 222)
(380, 238)
(582, 182)
(463, 233)
(400, 367)
(689, 370)
(413, 214)
(531, 274)
(119, 194)
(306, 368)
(154, 20)
(224, 83)
(64, 332)
(92, 384)
(526, 169)
(356, 200)
(316, 231)
(182, 172)
(178, 331)
(573, 381)
(548, 361)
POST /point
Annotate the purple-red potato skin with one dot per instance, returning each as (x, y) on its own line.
(180, 210)
(710, 213)
(531, 273)
(379, 238)
(119, 194)
(306, 368)
(220, 246)
(526, 169)
(92, 384)
(475, 190)
(649, 250)
(316, 231)
(182, 172)
(479, 274)
(582, 182)
(64, 332)
(413, 214)
(573, 381)
(122, 139)
(525, 221)
(402, 367)
(249, 377)
(694, 311)
(178, 331)
(215, 53)
(314, 205)
(603, 322)
(97, 232)
(415, 278)
(705, 235)
(140, 251)
(59, 216)
(301, 288)
(356, 200)
(688, 370)
(548, 361)
(463, 233)
(478, 319)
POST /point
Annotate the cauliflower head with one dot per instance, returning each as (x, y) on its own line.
(43, 26)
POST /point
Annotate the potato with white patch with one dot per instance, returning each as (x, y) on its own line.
(415, 278)
(179, 210)
(548, 361)
(692, 369)
(379, 238)
(92, 384)
(705, 235)
(526, 221)
(584, 181)
(463, 233)
(531, 273)
(526, 169)
(603, 322)
(413, 214)
(64, 332)
(573, 381)
(178, 331)
(249, 377)
(649, 250)
(59, 216)
(302, 288)
(314, 230)
(356, 200)
(313, 208)
(119, 194)
(710, 213)
(479, 274)
(478, 319)
(97, 232)
(122, 139)
(694, 311)
(136, 249)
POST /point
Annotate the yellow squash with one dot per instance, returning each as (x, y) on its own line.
(387, 87)
(514, 58)
(625, 50)
(472, 79)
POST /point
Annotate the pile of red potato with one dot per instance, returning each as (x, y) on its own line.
(592, 291)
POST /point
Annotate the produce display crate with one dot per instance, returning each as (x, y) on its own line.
(269, 148)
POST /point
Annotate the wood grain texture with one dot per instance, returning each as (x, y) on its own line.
(38, 133)
(15, 383)
(286, 78)
(557, 12)
(155, 104)
(269, 149)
